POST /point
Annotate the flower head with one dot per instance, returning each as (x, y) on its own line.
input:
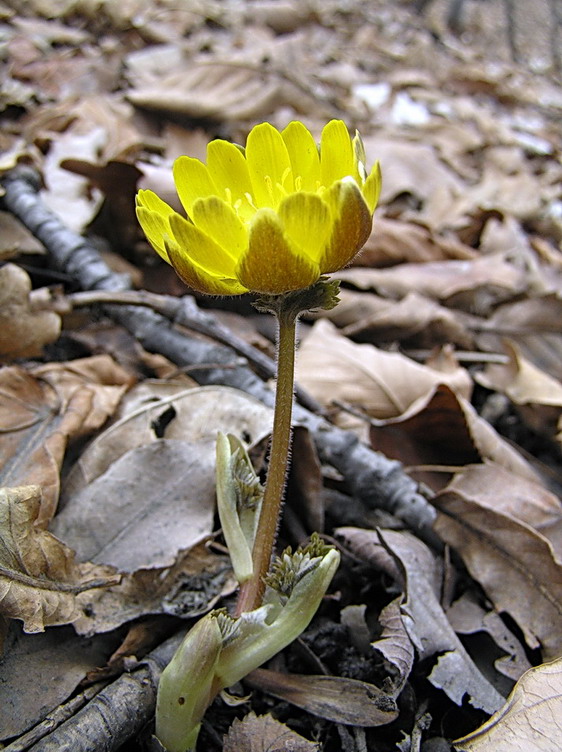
(270, 218)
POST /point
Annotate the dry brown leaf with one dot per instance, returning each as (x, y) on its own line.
(190, 588)
(413, 168)
(395, 645)
(172, 412)
(468, 617)
(422, 322)
(445, 430)
(514, 564)
(525, 500)
(476, 285)
(151, 502)
(217, 91)
(39, 577)
(40, 671)
(23, 330)
(530, 719)
(422, 614)
(538, 395)
(335, 698)
(42, 408)
(394, 241)
(382, 384)
(534, 324)
(264, 734)
(521, 381)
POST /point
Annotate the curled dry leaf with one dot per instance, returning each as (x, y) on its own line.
(335, 698)
(264, 734)
(395, 645)
(513, 563)
(523, 382)
(538, 394)
(424, 619)
(41, 409)
(382, 384)
(23, 330)
(39, 577)
(445, 431)
(530, 719)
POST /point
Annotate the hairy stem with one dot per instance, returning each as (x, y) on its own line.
(251, 592)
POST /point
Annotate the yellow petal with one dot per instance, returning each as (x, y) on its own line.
(271, 264)
(228, 169)
(307, 222)
(200, 249)
(219, 221)
(352, 224)
(303, 153)
(192, 181)
(337, 157)
(200, 279)
(372, 188)
(153, 215)
(269, 165)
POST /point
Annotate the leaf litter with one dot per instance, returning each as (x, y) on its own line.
(444, 355)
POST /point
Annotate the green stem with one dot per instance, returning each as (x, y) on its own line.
(251, 592)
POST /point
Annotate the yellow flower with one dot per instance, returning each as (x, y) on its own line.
(270, 218)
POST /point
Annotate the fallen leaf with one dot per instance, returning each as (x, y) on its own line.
(422, 322)
(189, 588)
(521, 381)
(150, 503)
(422, 614)
(444, 431)
(394, 241)
(467, 617)
(335, 698)
(39, 577)
(395, 645)
(170, 412)
(514, 564)
(217, 91)
(534, 325)
(530, 719)
(264, 734)
(537, 394)
(23, 330)
(383, 384)
(526, 500)
(41, 409)
(40, 671)
(475, 285)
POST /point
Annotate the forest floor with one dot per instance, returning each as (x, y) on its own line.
(428, 428)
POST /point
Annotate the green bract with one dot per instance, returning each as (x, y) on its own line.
(270, 218)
